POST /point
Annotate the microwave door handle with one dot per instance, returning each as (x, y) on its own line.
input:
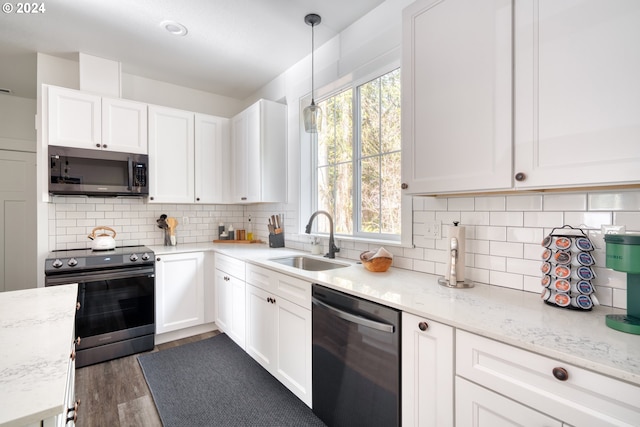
(130, 179)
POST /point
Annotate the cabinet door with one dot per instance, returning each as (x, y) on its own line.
(427, 373)
(577, 116)
(124, 126)
(478, 407)
(457, 96)
(223, 301)
(261, 315)
(240, 157)
(293, 352)
(212, 180)
(179, 291)
(74, 118)
(171, 155)
(238, 311)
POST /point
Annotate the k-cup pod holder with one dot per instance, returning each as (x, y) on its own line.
(567, 269)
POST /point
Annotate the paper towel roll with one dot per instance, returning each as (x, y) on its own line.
(459, 233)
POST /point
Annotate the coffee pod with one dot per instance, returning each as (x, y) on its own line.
(582, 258)
(546, 254)
(546, 242)
(562, 300)
(562, 243)
(561, 271)
(582, 301)
(546, 267)
(583, 287)
(582, 244)
(545, 295)
(562, 258)
(546, 280)
(583, 273)
(561, 285)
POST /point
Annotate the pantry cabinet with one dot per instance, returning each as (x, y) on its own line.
(259, 141)
(554, 388)
(572, 118)
(456, 96)
(83, 120)
(180, 292)
(427, 372)
(231, 297)
(279, 327)
(171, 155)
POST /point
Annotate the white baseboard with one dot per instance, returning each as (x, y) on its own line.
(185, 333)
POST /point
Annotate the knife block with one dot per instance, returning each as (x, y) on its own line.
(276, 240)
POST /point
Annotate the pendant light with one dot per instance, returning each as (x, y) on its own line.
(312, 114)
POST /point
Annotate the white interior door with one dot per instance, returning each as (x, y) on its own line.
(17, 220)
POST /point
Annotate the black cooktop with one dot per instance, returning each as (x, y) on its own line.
(87, 259)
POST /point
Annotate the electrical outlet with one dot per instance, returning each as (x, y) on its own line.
(432, 230)
(185, 220)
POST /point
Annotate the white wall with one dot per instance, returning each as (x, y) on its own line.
(17, 124)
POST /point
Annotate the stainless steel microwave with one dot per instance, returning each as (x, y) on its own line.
(78, 171)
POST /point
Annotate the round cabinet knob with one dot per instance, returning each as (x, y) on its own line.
(133, 258)
(197, 199)
(423, 326)
(145, 256)
(104, 146)
(72, 262)
(561, 374)
(150, 197)
(404, 186)
(98, 145)
(158, 259)
(56, 264)
(520, 176)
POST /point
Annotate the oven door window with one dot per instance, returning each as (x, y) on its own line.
(116, 304)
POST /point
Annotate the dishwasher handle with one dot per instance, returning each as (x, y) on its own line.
(384, 327)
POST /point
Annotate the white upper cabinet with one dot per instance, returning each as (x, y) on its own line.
(74, 118)
(457, 96)
(124, 126)
(571, 120)
(577, 96)
(82, 120)
(212, 174)
(259, 153)
(171, 155)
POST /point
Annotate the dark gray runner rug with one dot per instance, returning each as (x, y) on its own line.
(213, 382)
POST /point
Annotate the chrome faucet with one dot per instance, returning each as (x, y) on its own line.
(332, 246)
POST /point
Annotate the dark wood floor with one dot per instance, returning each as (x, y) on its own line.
(115, 393)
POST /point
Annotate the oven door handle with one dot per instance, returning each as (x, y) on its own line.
(96, 277)
(349, 317)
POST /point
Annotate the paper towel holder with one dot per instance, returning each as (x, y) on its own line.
(451, 279)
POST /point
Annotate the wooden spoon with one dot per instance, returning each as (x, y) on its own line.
(172, 223)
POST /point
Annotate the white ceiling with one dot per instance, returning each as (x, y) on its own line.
(233, 47)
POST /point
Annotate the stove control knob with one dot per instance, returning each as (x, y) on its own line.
(72, 262)
(145, 257)
(133, 258)
(57, 263)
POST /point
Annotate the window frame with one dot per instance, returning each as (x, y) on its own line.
(352, 82)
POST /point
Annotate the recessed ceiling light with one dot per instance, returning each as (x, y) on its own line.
(175, 28)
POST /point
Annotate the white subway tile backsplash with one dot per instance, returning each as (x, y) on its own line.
(620, 298)
(524, 203)
(523, 266)
(487, 262)
(615, 201)
(565, 202)
(434, 203)
(629, 219)
(524, 235)
(490, 203)
(491, 233)
(543, 219)
(506, 280)
(587, 219)
(513, 219)
(505, 249)
(461, 204)
(474, 218)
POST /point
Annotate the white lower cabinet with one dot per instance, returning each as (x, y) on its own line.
(427, 372)
(478, 407)
(179, 291)
(230, 296)
(279, 327)
(558, 392)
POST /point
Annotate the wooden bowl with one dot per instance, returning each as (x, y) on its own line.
(377, 265)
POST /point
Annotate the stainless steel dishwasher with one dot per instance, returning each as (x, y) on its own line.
(356, 360)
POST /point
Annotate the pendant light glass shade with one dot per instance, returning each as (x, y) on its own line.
(312, 115)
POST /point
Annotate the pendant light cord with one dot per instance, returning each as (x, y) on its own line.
(312, 63)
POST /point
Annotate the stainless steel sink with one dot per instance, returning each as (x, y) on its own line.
(308, 263)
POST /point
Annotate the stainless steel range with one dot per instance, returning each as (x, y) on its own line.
(116, 299)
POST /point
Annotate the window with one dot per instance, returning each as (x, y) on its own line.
(358, 160)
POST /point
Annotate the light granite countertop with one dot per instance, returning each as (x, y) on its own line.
(36, 331)
(510, 316)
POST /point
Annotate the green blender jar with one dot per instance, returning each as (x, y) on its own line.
(623, 254)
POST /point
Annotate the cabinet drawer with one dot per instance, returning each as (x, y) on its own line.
(291, 288)
(232, 266)
(583, 398)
